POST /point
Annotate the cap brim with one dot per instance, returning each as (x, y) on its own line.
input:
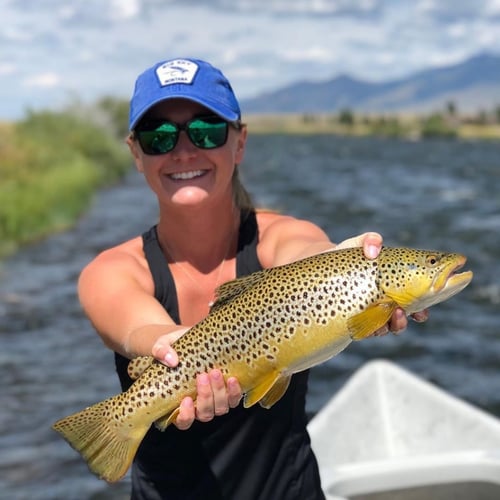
(214, 106)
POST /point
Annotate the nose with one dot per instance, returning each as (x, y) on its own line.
(184, 147)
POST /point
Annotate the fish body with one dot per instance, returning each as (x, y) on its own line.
(262, 329)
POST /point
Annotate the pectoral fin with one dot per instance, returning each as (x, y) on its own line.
(265, 392)
(362, 325)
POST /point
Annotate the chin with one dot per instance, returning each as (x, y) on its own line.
(190, 196)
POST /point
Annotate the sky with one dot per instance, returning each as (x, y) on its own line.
(57, 52)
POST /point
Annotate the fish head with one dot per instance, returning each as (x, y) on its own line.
(418, 279)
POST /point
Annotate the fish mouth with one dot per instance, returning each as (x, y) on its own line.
(449, 282)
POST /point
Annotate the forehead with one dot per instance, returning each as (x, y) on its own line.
(177, 109)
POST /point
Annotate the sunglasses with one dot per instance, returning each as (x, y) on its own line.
(158, 137)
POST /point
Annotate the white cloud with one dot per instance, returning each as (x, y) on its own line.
(7, 69)
(492, 8)
(313, 53)
(16, 34)
(457, 30)
(125, 9)
(42, 80)
(98, 48)
(298, 7)
(66, 12)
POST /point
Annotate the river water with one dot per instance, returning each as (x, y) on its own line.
(434, 194)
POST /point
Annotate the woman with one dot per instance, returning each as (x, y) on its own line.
(187, 139)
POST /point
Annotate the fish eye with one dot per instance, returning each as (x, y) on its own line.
(432, 260)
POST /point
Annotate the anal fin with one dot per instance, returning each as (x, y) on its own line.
(266, 392)
(276, 392)
(162, 423)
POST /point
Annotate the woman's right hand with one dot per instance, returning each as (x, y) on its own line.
(215, 396)
(163, 351)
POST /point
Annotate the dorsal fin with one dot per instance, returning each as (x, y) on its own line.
(231, 289)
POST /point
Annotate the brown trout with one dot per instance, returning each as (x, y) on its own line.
(262, 329)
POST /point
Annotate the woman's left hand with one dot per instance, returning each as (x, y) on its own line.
(215, 397)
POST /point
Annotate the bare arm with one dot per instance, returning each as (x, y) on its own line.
(117, 294)
(285, 240)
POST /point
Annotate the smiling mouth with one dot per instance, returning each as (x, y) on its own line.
(185, 176)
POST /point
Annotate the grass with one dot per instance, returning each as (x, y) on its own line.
(50, 166)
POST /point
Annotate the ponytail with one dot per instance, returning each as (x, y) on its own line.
(242, 198)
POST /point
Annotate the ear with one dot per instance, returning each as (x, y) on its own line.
(134, 149)
(240, 145)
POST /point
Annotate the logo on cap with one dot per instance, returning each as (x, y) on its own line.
(178, 71)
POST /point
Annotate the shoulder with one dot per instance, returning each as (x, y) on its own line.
(281, 236)
(118, 264)
(272, 224)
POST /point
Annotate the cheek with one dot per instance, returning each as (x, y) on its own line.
(229, 159)
(150, 167)
(133, 147)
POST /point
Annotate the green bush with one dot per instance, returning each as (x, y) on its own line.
(436, 126)
(387, 127)
(51, 163)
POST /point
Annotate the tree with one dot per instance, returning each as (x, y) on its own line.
(346, 117)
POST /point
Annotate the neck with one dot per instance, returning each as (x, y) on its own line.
(200, 237)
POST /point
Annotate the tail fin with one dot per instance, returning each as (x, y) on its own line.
(106, 442)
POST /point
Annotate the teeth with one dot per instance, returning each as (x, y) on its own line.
(186, 175)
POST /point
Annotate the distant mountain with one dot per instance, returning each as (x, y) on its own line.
(472, 85)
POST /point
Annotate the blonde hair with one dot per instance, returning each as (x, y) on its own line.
(241, 196)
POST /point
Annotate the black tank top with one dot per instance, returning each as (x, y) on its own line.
(247, 454)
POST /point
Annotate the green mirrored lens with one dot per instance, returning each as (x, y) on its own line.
(204, 132)
(208, 133)
(160, 140)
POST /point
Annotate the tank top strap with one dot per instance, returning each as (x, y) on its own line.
(247, 260)
(165, 291)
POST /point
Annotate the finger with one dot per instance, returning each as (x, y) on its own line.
(398, 321)
(234, 393)
(371, 243)
(420, 316)
(355, 241)
(165, 353)
(186, 415)
(162, 349)
(204, 398)
(381, 331)
(220, 396)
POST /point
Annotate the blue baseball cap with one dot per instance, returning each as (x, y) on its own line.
(185, 78)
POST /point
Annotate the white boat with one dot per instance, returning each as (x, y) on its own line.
(388, 435)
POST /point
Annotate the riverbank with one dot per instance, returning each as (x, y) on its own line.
(51, 164)
(436, 125)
